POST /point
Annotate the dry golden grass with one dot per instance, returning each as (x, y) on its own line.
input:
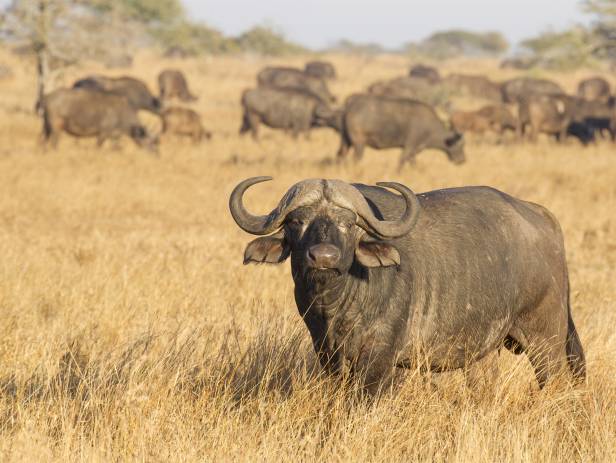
(131, 331)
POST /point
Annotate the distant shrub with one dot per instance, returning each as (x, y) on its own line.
(562, 50)
(448, 44)
(193, 38)
(346, 46)
(265, 41)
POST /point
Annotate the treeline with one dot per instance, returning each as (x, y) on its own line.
(106, 29)
(97, 28)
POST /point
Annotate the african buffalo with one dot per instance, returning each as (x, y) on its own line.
(290, 110)
(552, 115)
(380, 122)
(412, 88)
(473, 85)
(320, 69)
(172, 84)
(495, 118)
(133, 89)
(91, 113)
(295, 79)
(429, 73)
(434, 281)
(469, 121)
(514, 89)
(594, 89)
(597, 114)
(184, 122)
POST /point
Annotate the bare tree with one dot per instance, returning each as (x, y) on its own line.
(63, 32)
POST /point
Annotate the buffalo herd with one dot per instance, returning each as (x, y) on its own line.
(407, 112)
(107, 108)
(411, 112)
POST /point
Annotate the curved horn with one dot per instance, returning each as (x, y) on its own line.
(400, 227)
(254, 224)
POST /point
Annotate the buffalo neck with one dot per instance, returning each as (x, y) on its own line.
(360, 291)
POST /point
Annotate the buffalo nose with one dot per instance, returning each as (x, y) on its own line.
(323, 255)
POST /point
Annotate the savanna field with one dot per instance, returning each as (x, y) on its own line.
(131, 331)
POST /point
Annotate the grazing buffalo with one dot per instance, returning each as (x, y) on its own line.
(290, 110)
(295, 79)
(552, 115)
(598, 115)
(594, 89)
(434, 281)
(380, 122)
(133, 89)
(520, 87)
(474, 85)
(469, 121)
(518, 63)
(320, 69)
(499, 116)
(172, 84)
(495, 117)
(184, 122)
(412, 88)
(429, 73)
(91, 113)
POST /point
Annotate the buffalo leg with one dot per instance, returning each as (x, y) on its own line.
(408, 155)
(541, 334)
(250, 122)
(358, 151)
(100, 141)
(343, 150)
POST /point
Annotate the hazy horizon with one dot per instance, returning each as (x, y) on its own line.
(390, 23)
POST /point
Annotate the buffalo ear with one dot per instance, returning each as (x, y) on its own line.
(376, 254)
(267, 250)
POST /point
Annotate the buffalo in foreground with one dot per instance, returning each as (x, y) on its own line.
(134, 90)
(434, 281)
(380, 122)
(87, 113)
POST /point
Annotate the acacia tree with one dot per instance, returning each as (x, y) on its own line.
(604, 27)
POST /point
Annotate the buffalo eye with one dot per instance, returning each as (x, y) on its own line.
(295, 223)
(346, 224)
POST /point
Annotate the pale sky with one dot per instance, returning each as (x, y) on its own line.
(318, 23)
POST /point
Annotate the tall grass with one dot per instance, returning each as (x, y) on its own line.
(130, 330)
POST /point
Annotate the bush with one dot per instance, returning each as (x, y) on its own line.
(265, 41)
(193, 38)
(448, 44)
(563, 50)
